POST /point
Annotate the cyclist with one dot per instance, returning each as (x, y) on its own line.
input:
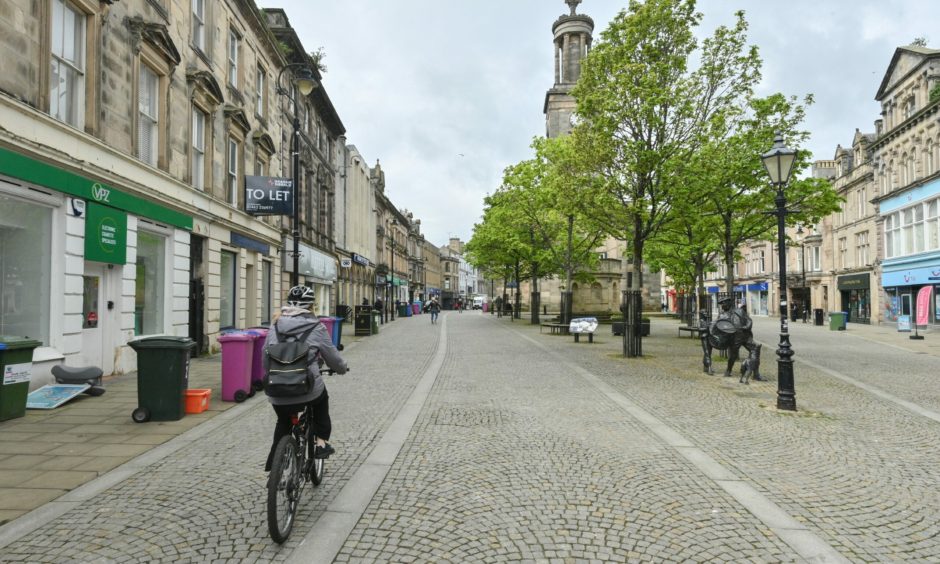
(296, 318)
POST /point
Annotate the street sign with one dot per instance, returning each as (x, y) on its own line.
(345, 263)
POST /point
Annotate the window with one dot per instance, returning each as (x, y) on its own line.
(816, 259)
(932, 226)
(842, 252)
(147, 116)
(862, 249)
(234, 45)
(907, 231)
(231, 177)
(892, 235)
(260, 87)
(25, 235)
(266, 292)
(199, 149)
(199, 24)
(917, 228)
(883, 179)
(227, 290)
(762, 265)
(149, 286)
(860, 201)
(67, 82)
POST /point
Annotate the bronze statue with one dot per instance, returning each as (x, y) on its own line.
(731, 331)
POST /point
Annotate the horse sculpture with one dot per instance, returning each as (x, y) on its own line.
(730, 332)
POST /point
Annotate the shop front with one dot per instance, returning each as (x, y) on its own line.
(84, 266)
(912, 292)
(855, 296)
(316, 270)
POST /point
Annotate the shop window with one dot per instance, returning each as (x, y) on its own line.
(932, 226)
(227, 290)
(150, 287)
(25, 268)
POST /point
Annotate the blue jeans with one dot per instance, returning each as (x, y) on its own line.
(434, 316)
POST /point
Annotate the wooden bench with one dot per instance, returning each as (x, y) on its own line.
(693, 331)
(590, 336)
(561, 328)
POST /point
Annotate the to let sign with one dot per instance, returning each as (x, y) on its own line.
(268, 195)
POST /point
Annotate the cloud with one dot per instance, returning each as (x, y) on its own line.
(418, 82)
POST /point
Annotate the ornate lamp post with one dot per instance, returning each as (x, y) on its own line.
(779, 163)
(305, 82)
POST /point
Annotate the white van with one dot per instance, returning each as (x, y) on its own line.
(478, 302)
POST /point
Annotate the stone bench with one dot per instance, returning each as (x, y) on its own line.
(590, 336)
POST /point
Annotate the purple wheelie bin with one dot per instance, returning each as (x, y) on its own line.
(237, 351)
(257, 359)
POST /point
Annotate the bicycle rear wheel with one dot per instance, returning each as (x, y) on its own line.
(284, 486)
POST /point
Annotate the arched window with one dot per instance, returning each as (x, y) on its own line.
(891, 179)
(883, 179)
(905, 178)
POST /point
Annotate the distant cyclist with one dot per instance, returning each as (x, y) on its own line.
(296, 318)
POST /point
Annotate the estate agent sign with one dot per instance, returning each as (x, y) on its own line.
(268, 195)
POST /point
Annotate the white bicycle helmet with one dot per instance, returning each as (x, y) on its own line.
(301, 296)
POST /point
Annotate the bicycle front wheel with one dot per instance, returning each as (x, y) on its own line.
(284, 486)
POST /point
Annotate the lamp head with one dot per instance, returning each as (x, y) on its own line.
(778, 161)
(305, 80)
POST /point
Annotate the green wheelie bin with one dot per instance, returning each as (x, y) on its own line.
(16, 364)
(162, 377)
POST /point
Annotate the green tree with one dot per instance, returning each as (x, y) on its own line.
(645, 111)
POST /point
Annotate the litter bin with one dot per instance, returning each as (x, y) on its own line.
(363, 321)
(16, 364)
(837, 321)
(162, 377)
(238, 349)
(257, 358)
(818, 316)
(376, 316)
(845, 320)
(416, 308)
(403, 310)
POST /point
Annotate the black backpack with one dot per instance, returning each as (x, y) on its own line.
(287, 374)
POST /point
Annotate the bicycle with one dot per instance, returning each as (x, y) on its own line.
(293, 466)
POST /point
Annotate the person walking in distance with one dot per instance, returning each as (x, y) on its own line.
(434, 308)
(297, 320)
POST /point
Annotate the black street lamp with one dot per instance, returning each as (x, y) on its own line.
(779, 162)
(305, 82)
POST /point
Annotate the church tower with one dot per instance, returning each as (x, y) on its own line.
(572, 42)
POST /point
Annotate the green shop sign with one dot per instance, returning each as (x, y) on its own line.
(105, 234)
(43, 174)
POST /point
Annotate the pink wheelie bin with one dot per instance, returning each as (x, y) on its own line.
(257, 360)
(237, 353)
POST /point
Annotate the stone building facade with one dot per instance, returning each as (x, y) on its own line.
(129, 129)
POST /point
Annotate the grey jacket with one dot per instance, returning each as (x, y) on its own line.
(296, 321)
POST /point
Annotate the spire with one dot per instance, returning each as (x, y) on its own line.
(573, 4)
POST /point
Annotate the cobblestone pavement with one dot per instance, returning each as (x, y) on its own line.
(530, 447)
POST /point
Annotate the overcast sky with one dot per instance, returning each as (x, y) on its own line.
(447, 93)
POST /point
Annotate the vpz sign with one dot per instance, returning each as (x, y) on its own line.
(268, 195)
(100, 193)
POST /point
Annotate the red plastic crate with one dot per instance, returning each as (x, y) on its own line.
(197, 400)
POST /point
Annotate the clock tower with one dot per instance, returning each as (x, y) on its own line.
(572, 42)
